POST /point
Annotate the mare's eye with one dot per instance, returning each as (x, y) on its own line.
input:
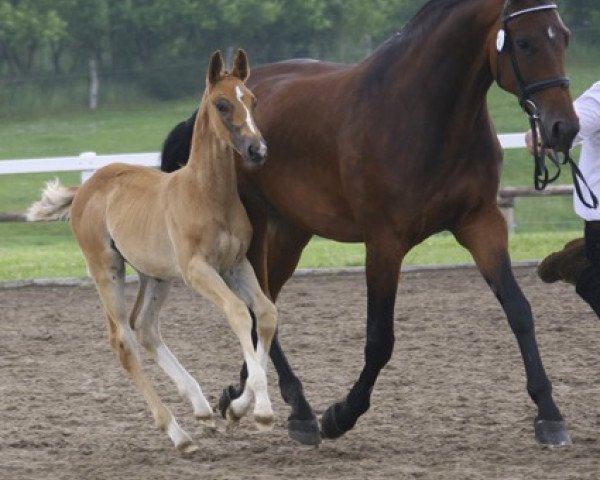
(223, 106)
(523, 44)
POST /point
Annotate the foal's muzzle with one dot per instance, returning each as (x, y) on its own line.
(254, 152)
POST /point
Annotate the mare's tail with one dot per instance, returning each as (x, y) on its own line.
(55, 203)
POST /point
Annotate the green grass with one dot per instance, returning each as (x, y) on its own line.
(48, 250)
(117, 130)
(440, 249)
(51, 251)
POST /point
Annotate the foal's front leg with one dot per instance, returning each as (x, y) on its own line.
(205, 280)
(485, 236)
(243, 282)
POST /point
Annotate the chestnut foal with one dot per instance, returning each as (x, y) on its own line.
(189, 224)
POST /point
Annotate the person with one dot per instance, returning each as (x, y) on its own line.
(578, 262)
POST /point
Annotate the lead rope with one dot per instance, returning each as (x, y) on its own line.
(541, 173)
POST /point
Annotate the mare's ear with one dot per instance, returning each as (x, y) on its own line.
(241, 68)
(215, 68)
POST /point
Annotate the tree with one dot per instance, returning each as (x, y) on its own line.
(26, 26)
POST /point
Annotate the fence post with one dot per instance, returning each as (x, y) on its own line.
(85, 174)
(507, 207)
(94, 84)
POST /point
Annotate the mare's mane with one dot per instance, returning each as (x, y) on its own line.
(427, 18)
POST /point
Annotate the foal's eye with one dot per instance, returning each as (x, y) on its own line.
(222, 106)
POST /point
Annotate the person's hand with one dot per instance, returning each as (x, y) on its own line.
(529, 141)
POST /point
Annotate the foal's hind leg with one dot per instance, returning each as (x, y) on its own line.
(151, 297)
(107, 268)
(485, 236)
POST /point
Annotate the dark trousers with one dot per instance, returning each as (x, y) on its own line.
(588, 281)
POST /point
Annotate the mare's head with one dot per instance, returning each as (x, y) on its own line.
(527, 52)
(230, 106)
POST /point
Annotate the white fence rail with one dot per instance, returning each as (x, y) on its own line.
(88, 162)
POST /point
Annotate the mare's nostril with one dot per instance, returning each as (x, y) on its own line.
(557, 130)
(563, 134)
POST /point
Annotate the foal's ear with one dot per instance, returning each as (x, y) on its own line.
(241, 68)
(215, 68)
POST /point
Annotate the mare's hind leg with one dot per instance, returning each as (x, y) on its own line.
(107, 268)
(485, 236)
(151, 297)
(205, 280)
(274, 253)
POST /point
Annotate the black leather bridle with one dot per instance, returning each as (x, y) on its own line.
(542, 176)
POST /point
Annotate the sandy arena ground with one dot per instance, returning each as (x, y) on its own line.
(450, 405)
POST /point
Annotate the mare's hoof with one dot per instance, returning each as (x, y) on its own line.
(305, 432)
(229, 394)
(552, 433)
(329, 425)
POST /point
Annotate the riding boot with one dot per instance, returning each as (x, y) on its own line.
(566, 264)
(588, 281)
(588, 287)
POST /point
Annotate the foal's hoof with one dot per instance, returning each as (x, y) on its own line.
(329, 425)
(264, 423)
(207, 422)
(552, 433)
(187, 448)
(305, 432)
(229, 394)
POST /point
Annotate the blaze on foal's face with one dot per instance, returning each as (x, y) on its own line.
(233, 105)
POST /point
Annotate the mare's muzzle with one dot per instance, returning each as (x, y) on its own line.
(561, 134)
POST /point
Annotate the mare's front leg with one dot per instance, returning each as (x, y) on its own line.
(485, 236)
(384, 256)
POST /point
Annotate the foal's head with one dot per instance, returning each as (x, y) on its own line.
(230, 106)
(528, 59)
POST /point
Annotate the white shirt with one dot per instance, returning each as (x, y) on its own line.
(587, 107)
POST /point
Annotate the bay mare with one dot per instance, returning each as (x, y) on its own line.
(390, 151)
(189, 224)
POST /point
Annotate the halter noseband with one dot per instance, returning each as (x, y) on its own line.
(541, 175)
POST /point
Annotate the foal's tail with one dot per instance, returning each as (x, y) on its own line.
(55, 203)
